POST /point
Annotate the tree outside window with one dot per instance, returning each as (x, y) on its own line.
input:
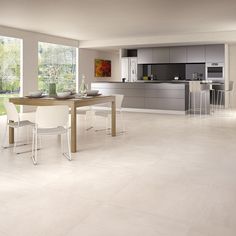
(57, 64)
(10, 49)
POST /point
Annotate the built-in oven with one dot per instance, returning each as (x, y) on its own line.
(215, 72)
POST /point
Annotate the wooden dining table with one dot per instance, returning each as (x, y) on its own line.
(73, 103)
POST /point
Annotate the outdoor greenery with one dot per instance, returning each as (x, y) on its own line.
(5, 97)
(9, 69)
(57, 64)
(9, 65)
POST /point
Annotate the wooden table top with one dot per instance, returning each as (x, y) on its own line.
(45, 101)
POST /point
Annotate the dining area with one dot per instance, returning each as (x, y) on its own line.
(54, 115)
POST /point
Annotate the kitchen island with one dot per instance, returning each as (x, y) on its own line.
(171, 97)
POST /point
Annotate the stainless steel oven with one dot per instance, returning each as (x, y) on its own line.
(215, 72)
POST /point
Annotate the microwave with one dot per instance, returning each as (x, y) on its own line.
(215, 72)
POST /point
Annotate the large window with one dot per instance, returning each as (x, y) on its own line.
(10, 69)
(57, 64)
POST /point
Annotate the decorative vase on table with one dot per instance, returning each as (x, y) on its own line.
(52, 90)
(83, 87)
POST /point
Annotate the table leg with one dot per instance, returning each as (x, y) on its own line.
(11, 134)
(73, 129)
(113, 118)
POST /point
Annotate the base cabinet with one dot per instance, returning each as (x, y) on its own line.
(162, 96)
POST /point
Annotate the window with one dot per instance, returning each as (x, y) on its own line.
(57, 64)
(10, 69)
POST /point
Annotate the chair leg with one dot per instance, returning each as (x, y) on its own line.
(62, 145)
(68, 144)
(108, 118)
(217, 99)
(122, 121)
(68, 154)
(221, 100)
(213, 100)
(4, 137)
(34, 148)
(16, 139)
(89, 119)
(189, 103)
(200, 103)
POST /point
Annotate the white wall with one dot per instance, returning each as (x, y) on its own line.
(232, 71)
(86, 64)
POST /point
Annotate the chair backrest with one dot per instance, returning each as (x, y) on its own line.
(231, 85)
(52, 116)
(12, 113)
(194, 86)
(119, 100)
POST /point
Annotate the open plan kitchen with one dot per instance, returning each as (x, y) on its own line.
(161, 79)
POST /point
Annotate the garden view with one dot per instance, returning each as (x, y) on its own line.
(57, 64)
(9, 69)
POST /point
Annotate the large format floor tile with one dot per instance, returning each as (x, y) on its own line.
(166, 175)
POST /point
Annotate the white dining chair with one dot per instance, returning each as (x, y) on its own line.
(107, 113)
(51, 120)
(14, 121)
(89, 116)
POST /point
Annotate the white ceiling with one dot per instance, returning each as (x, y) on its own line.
(107, 19)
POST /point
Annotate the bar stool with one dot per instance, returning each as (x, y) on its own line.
(195, 89)
(221, 94)
(213, 98)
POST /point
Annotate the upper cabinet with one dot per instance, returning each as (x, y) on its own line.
(187, 54)
(178, 55)
(153, 55)
(215, 53)
(145, 56)
(196, 54)
(160, 55)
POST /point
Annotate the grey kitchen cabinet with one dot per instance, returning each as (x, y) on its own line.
(178, 55)
(196, 54)
(145, 56)
(141, 95)
(215, 53)
(160, 55)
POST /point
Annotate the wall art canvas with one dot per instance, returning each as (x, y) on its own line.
(102, 68)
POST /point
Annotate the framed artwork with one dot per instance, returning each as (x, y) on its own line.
(102, 68)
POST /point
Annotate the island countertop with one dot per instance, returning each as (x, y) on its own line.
(161, 81)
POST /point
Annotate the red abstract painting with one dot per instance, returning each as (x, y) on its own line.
(102, 68)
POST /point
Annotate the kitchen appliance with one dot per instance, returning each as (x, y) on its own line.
(129, 68)
(215, 72)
